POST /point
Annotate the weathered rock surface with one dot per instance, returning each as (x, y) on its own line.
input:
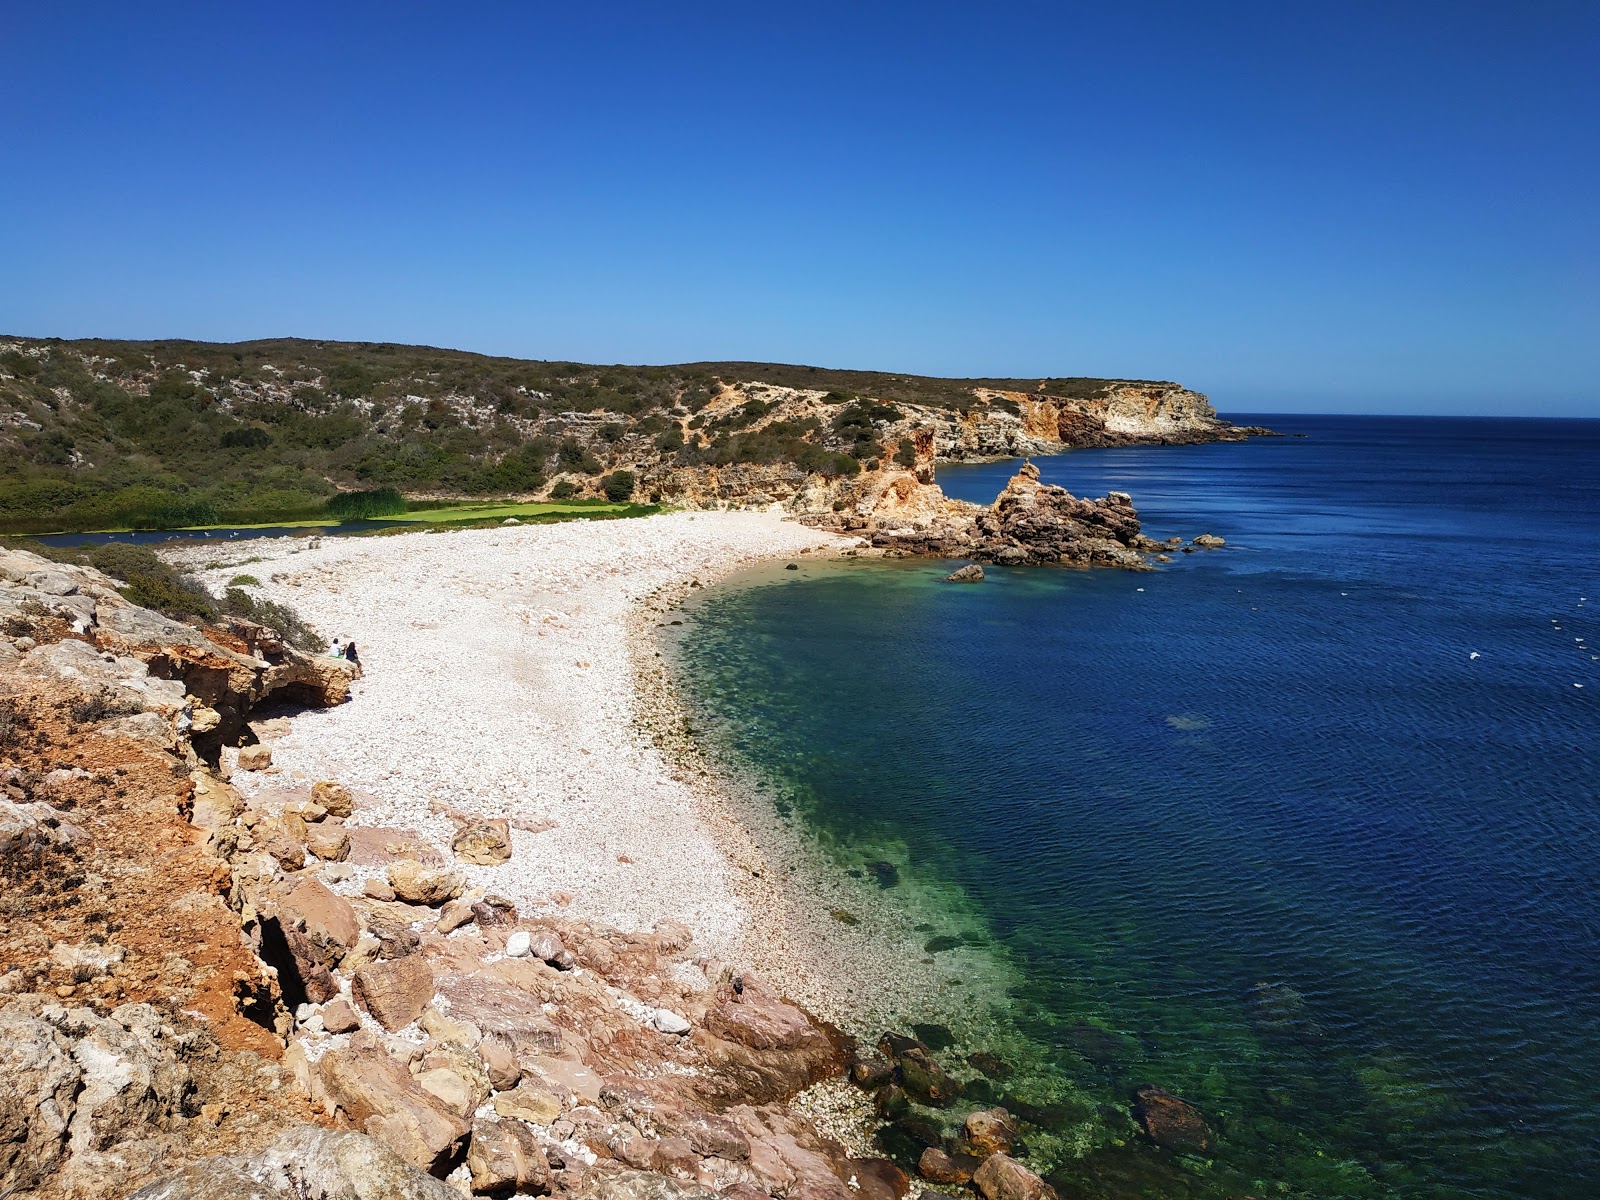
(1029, 523)
(394, 992)
(484, 843)
(76, 1088)
(304, 1164)
(418, 884)
(1004, 1178)
(971, 573)
(505, 1156)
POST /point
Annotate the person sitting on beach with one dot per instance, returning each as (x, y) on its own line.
(350, 655)
(335, 650)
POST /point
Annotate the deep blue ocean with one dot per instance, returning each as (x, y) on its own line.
(1306, 830)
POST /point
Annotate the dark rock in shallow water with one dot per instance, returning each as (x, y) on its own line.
(981, 1091)
(871, 1074)
(934, 1037)
(792, 567)
(1125, 1171)
(943, 942)
(892, 1103)
(1170, 1122)
(1047, 1116)
(971, 573)
(900, 1146)
(1278, 1011)
(892, 1045)
(1100, 1046)
(885, 872)
(921, 1128)
(989, 1064)
(926, 1081)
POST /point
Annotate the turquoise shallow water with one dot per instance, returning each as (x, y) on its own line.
(1256, 827)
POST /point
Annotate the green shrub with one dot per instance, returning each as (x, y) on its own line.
(244, 581)
(618, 485)
(123, 561)
(175, 595)
(280, 618)
(364, 506)
(249, 437)
(906, 455)
(563, 490)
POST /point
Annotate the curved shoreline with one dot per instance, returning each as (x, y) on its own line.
(517, 671)
(865, 976)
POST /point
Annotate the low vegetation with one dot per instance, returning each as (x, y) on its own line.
(145, 579)
(106, 435)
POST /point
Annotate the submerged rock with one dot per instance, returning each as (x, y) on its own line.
(990, 1131)
(1170, 1122)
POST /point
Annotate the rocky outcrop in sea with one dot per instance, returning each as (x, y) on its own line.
(1029, 524)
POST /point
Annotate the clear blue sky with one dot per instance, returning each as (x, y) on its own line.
(1338, 206)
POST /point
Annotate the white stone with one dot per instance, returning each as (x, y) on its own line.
(519, 944)
(668, 1021)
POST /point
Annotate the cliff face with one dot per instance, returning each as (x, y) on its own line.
(913, 437)
(1003, 424)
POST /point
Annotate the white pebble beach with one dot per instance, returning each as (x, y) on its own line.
(510, 672)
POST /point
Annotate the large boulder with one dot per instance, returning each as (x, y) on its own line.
(380, 1096)
(418, 884)
(504, 1156)
(307, 1163)
(328, 920)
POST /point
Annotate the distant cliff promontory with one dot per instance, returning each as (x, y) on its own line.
(106, 434)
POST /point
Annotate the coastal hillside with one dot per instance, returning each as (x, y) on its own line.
(115, 434)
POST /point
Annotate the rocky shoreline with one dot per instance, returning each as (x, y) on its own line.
(244, 948)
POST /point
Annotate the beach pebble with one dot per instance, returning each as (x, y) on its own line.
(518, 945)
